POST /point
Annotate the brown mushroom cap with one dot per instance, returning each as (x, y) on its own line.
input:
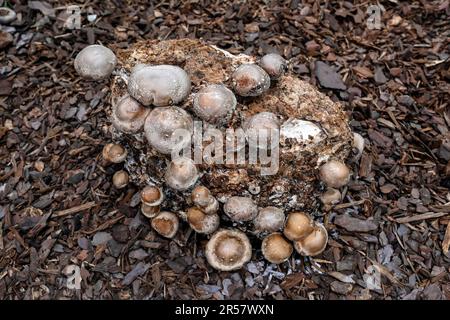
(166, 224)
(214, 102)
(149, 211)
(335, 174)
(128, 115)
(202, 222)
(330, 197)
(114, 153)
(314, 243)
(240, 208)
(250, 80)
(152, 195)
(120, 179)
(298, 226)
(181, 174)
(274, 64)
(95, 62)
(228, 250)
(269, 219)
(201, 196)
(276, 249)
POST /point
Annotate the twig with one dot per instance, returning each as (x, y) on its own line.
(419, 217)
(76, 209)
(446, 242)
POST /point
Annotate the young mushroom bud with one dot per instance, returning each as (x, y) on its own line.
(114, 153)
(214, 103)
(240, 209)
(358, 144)
(166, 224)
(168, 129)
(160, 86)
(330, 197)
(274, 64)
(7, 15)
(261, 127)
(269, 219)
(202, 222)
(335, 174)
(95, 62)
(250, 80)
(314, 243)
(275, 248)
(151, 198)
(181, 174)
(149, 211)
(228, 250)
(120, 179)
(298, 226)
(203, 199)
(128, 115)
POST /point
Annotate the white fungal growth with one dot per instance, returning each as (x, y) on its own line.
(160, 85)
(303, 131)
(95, 62)
(274, 64)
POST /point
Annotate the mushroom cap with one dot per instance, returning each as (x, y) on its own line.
(120, 179)
(166, 224)
(95, 62)
(275, 248)
(214, 102)
(128, 115)
(202, 222)
(298, 226)
(181, 174)
(7, 15)
(201, 196)
(240, 209)
(152, 195)
(331, 196)
(228, 250)
(269, 219)
(274, 64)
(314, 243)
(250, 80)
(261, 125)
(163, 126)
(114, 153)
(149, 211)
(160, 85)
(335, 174)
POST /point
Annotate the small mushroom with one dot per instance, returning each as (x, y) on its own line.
(163, 126)
(314, 243)
(160, 85)
(166, 224)
(240, 209)
(275, 248)
(114, 153)
(151, 198)
(335, 174)
(298, 226)
(274, 64)
(330, 197)
(358, 144)
(181, 174)
(228, 250)
(149, 211)
(128, 115)
(202, 222)
(95, 62)
(120, 179)
(202, 198)
(214, 103)
(269, 219)
(250, 80)
(262, 126)
(7, 15)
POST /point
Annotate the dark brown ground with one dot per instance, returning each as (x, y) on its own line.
(394, 83)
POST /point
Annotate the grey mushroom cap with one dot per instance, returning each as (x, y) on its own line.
(128, 115)
(214, 103)
(250, 80)
(335, 174)
(95, 62)
(262, 127)
(274, 64)
(228, 250)
(181, 174)
(168, 129)
(7, 15)
(269, 219)
(160, 85)
(240, 209)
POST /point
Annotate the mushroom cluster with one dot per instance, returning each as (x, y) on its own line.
(158, 104)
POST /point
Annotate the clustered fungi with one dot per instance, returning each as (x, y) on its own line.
(150, 106)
